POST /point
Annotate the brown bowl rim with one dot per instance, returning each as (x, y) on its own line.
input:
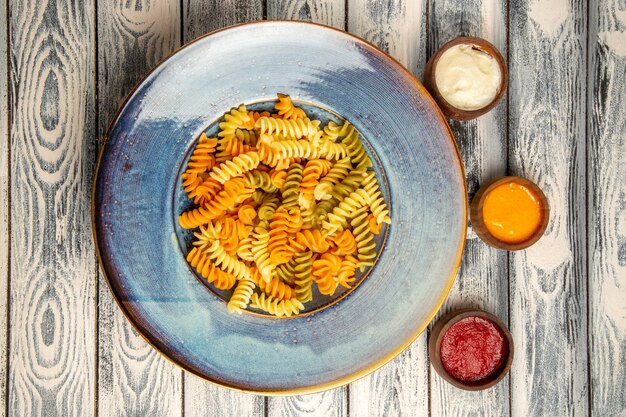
(447, 108)
(478, 223)
(434, 346)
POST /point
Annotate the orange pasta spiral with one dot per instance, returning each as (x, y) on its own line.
(345, 242)
(215, 207)
(283, 224)
(287, 110)
(202, 263)
(325, 271)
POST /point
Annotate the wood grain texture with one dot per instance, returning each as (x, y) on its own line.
(401, 387)
(52, 343)
(203, 16)
(334, 402)
(327, 12)
(396, 26)
(4, 205)
(547, 145)
(482, 281)
(607, 208)
(203, 398)
(133, 379)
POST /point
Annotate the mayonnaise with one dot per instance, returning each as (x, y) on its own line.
(467, 77)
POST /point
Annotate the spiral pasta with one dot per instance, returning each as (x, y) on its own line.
(287, 110)
(286, 209)
(235, 167)
(202, 263)
(325, 272)
(233, 120)
(202, 158)
(278, 308)
(292, 128)
(241, 296)
(339, 171)
(303, 276)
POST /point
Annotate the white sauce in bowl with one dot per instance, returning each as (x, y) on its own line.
(467, 77)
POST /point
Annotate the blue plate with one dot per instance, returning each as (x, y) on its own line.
(137, 198)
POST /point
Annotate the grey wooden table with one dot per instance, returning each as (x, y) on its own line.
(65, 66)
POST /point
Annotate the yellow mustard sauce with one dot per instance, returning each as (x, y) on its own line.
(512, 213)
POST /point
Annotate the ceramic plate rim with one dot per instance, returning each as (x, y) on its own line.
(347, 379)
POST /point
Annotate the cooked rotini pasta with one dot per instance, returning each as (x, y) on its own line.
(286, 209)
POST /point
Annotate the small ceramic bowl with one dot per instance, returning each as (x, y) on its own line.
(434, 349)
(431, 85)
(478, 223)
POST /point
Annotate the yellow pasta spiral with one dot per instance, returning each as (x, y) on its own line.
(295, 149)
(287, 110)
(293, 128)
(345, 275)
(338, 219)
(366, 247)
(276, 307)
(331, 150)
(337, 173)
(235, 119)
(226, 262)
(207, 235)
(244, 251)
(260, 253)
(333, 131)
(377, 203)
(237, 166)
(356, 151)
(241, 296)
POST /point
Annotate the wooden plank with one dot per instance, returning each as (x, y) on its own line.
(53, 280)
(482, 282)
(332, 402)
(326, 12)
(203, 398)
(4, 206)
(401, 387)
(201, 17)
(133, 379)
(606, 162)
(547, 141)
(396, 26)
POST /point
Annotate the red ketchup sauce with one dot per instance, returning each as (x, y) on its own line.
(473, 349)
